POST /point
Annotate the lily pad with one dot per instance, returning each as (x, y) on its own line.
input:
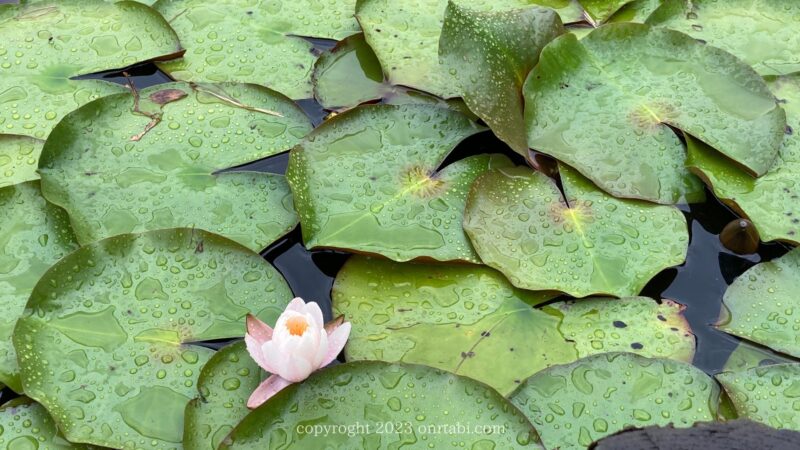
(586, 243)
(761, 305)
(490, 55)
(771, 202)
(25, 424)
(254, 41)
(105, 342)
(748, 356)
(367, 181)
(629, 150)
(225, 383)
(635, 324)
(600, 10)
(384, 406)
(116, 170)
(763, 33)
(44, 44)
(573, 405)
(467, 320)
(34, 235)
(768, 395)
(19, 157)
(636, 11)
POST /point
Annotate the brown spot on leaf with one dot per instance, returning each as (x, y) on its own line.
(165, 96)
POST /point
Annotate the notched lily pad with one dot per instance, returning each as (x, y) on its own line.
(589, 243)
(127, 163)
(367, 181)
(768, 395)
(25, 424)
(403, 406)
(573, 405)
(655, 79)
(105, 342)
(43, 44)
(19, 157)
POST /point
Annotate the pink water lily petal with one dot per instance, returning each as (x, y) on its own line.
(336, 341)
(312, 308)
(297, 304)
(256, 352)
(258, 329)
(265, 390)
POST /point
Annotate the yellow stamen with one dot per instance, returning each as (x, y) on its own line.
(297, 325)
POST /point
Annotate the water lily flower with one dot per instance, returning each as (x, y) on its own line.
(300, 344)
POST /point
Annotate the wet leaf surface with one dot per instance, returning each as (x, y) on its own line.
(760, 305)
(766, 394)
(19, 157)
(367, 181)
(374, 394)
(106, 158)
(656, 79)
(45, 43)
(748, 355)
(104, 342)
(600, 10)
(636, 11)
(588, 243)
(33, 236)
(573, 405)
(25, 424)
(254, 41)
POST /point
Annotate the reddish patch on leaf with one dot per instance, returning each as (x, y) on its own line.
(167, 96)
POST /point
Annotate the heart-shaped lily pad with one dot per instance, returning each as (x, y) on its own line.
(384, 406)
(25, 424)
(766, 394)
(760, 304)
(19, 157)
(34, 235)
(105, 340)
(573, 405)
(491, 54)
(655, 79)
(133, 163)
(254, 41)
(367, 181)
(763, 33)
(771, 202)
(45, 43)
(589, 243)
(225, 383)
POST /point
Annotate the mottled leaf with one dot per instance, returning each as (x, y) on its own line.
(768, 395)
(25, 424)
(19, 157)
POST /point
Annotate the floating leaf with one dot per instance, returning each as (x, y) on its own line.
(589, 243)
(25, 424)
(116, 170)
(490, 54)
(403, 406)
(760, 304)
(464, 319)
(574, 405)
(654, 78)
(635, 11)
(44, 44)
(254, 41)
(19, 157)
(766, 394)
(747, 356)
(771, 202)
(33, 236)
(600, 10)
(636, 324)
(367, 181)
(225, 383)
(764, 34)
(105, 340)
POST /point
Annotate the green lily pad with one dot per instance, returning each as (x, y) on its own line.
(34, 235)
(118, 171)
(367, 181)
(254, 41)
(655, 79)
(19, 157)
(589, 243)
(45, 43)
(574, 405)
(768, 395)
(636, 11)
(635, 324)
(491, 54)
(748, 355)
(467, 320)
(225, 383)
(763, 33)
(25, 424)
(771, 202)
(600, 10)
(384, 406)
(105, 342)
(760, 304)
